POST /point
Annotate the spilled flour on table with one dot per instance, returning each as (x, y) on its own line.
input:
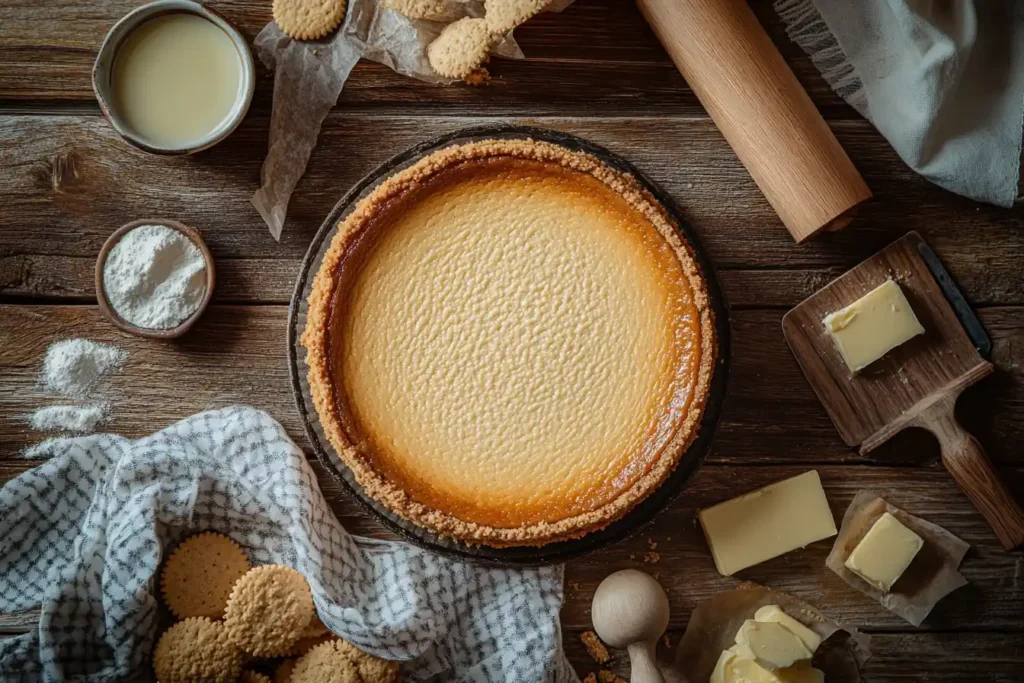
(73, 368)
(69, 418)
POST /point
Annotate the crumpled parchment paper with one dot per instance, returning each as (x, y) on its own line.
(714, 623)
(930, 577)
(309, 76)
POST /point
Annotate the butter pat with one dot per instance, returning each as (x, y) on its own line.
(772, 645)
(765, 643)
(884, 553)
(768, 522)
(774, 613)
(873, 325)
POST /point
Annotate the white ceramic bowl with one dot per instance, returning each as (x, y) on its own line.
(102, 86)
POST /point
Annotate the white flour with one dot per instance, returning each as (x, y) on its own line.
(68, 418)
(155, 277)
(73, 366)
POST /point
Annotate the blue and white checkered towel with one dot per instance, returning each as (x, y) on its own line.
(82, 537)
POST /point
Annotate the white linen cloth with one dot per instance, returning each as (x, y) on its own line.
(942, 80)
(82, 537)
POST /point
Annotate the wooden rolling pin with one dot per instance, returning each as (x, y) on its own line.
(763, 112)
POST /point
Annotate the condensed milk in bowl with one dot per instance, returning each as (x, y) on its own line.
(174, 77)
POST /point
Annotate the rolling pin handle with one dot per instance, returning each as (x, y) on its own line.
(965, 459)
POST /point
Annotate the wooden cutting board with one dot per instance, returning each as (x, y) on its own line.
(916, 384)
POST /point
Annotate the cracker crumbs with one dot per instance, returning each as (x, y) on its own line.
(667, 641)
(595, 648)
(591, 678)
(652, 558)
(605, 676)
(652, 544)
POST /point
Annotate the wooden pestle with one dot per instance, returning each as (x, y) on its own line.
(766, 116)
(630, 610)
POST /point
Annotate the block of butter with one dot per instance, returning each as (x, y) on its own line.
(766, 523)
(768, 650)
(873, 325)
(884, 553)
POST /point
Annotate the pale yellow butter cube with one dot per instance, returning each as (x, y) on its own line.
(884, 553)
(873, 325)
(766, 523)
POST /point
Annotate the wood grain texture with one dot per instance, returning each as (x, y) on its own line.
(237, 354)
(730, 63)
(595, 56)
(68, 182)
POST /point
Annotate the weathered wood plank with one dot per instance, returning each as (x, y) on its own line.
(934, 657)
(994, 600)
(595, 55)
(238, 354)
(67, 182)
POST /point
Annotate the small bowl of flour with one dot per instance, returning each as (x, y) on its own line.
(154, 278)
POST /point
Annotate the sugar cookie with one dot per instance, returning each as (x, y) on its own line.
(325, 664)
(309, 19)
(504, 15)
(268, 610)
(197, 650)
(198, 576)
(432, 10)
(461, 48)
(371, 669)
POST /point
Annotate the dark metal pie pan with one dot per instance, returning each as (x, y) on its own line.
(551, 553)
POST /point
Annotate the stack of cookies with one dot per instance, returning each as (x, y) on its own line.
(233, 615)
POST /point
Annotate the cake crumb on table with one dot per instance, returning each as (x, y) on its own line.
(595, 648)
(606, 676)
(652, 558)
(591, 678)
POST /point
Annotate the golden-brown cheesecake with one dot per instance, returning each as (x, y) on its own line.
(508, 343)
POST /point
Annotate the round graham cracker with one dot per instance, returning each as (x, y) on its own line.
(371, 669)
(198, 576)
(249, 676)
(504, 15)
(268, 610)
(461, 48)
(309, 19)
(197, 650)
(432, 10)
(325, 664)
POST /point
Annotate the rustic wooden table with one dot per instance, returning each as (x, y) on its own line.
(67, 181)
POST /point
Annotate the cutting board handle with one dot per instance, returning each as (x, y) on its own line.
(973, 471)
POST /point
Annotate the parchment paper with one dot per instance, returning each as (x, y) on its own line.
(930, 577)
(714, 623)
(309, 76)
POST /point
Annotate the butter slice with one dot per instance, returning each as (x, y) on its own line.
(735, 667)
(773, 645)
(873, 325)
(774, 613)
(766, 523)
(884, 553)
